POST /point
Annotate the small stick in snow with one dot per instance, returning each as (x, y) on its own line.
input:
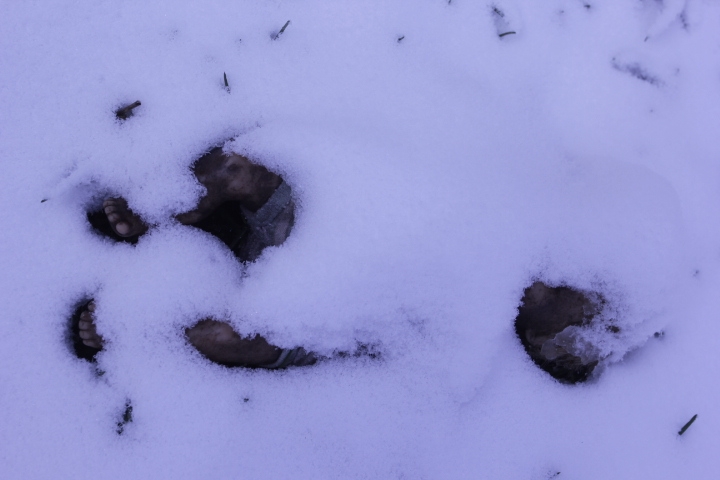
(123, 113)
(125, 419)
(277, 35)
(227, 85)
(502, 24)
(687, 425)
(401, 38)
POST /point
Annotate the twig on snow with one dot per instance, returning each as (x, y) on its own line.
(277, 35)
(687, 425)
(123, 113)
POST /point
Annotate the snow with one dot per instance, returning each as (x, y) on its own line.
(436, 176)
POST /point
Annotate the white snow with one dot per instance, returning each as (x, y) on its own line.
(436, 177)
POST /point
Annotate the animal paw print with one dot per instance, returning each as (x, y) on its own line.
(248, 208)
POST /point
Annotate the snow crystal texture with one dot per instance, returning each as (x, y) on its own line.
(444, 155)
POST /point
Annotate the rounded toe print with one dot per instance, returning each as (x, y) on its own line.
(551, 323)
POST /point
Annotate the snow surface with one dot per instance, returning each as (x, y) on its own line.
(437, 175)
